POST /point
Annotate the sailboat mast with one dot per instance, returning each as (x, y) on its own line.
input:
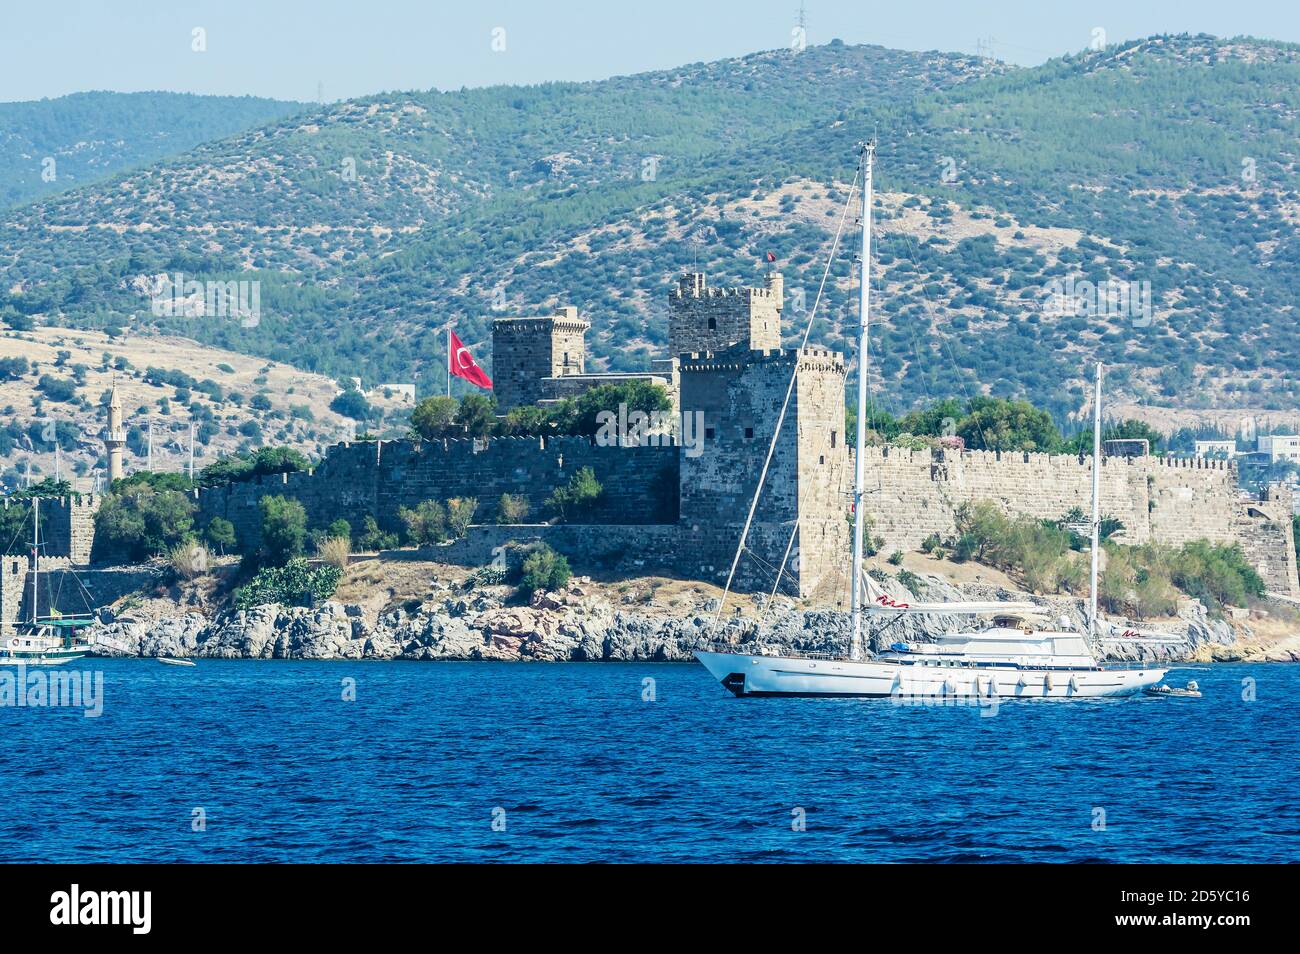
(36, 553)
(1096, 508)
(864, 302)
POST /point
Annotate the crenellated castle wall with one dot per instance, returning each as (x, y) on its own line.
(379, 478)
(681, 508)
(912, 494)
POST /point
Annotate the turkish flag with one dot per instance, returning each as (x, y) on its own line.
(461, 364)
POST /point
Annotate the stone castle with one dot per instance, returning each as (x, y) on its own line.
(667, 510)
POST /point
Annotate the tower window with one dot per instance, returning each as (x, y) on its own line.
(713, 324)
(833, 438)
(708, 433)
(821, 459)
(749, 433)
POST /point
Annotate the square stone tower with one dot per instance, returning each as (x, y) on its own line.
(738, 394)
(526, 350)
(702, 319)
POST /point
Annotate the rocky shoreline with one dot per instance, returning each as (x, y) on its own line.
(581, 624)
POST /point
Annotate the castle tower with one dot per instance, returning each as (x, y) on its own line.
(114, 436)
(702, 319)
(526, 350)
(735, 397)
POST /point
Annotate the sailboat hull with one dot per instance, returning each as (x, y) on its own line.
(800, 676)
(54, 658)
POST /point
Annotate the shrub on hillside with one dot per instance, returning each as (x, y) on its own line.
(334, 551)
(284, 528)
(372, 538)
(57, 389)
(297, 583)
(1215, 573)
(1037, 551)
(142, 522)
(544, 569)
(1136, 582)
(189, 560)
(235, 468)
(512, 508)
(351, 403)
(434, 417)
(460, 515)
(426, 524)
(220, 535)
(11, 369)
(575, 499)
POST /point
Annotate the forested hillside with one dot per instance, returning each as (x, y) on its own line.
(371, 223)
(52, 145)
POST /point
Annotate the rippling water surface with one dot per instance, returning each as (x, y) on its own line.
(581, 767)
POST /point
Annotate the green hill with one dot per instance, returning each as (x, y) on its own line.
(1168, 161)
(52, 145)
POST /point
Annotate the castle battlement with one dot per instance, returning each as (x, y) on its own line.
(703, 319)
(528, 351)
(564, 319)
(90, 500)
(929, 455)
(695, 285)
(734, 359)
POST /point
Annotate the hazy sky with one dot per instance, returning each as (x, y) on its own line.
(290, 49)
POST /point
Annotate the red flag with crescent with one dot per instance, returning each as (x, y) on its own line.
(461, 363)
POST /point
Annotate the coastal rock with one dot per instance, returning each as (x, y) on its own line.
(579, 624)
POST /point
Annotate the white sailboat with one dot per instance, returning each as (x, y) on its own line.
(1013, 658)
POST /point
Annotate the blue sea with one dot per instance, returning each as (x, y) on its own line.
(259, 761)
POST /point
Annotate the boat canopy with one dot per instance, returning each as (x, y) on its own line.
(66, 622)
(885, 605)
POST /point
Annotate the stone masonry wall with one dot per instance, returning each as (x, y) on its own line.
(825, 481)
(912, 494)
(525, 351)
(739, 316)
(378, 478)
(13, 575)
(1264, 530)
(67, 525)
(739, 393)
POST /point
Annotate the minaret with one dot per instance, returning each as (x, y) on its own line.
(114, 436)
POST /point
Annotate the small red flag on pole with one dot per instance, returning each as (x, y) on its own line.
(771, 257)
(462, 364)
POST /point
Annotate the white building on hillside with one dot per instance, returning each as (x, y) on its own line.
(1216, 448)
(1280, 447)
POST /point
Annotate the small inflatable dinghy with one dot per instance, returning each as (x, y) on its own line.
(1193, 691)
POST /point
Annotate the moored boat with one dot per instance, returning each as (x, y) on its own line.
(1014, 658)
(48, 641)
